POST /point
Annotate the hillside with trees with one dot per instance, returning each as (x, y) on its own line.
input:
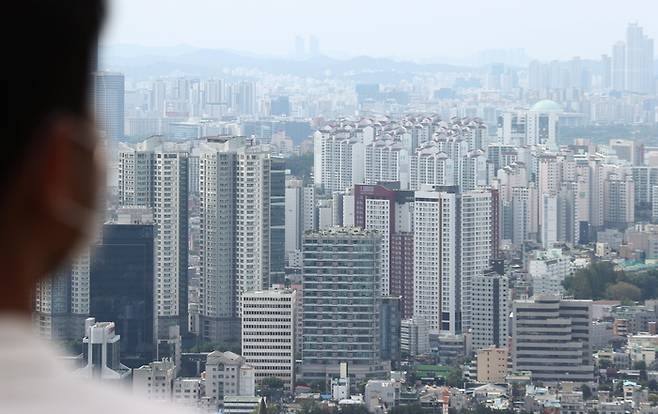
(601, 281)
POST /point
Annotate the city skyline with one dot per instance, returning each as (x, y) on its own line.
(299, 230)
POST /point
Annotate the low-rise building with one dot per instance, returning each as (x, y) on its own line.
(155, 380)
(241, 404)
(227, 374)
(414, 337)
(188, 391)
(382, 395)
(547, 270)
(492, 365)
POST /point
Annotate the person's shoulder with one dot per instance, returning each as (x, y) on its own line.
(76, 396)
(110, 400)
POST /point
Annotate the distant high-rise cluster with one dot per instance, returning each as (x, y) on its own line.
(633, 62)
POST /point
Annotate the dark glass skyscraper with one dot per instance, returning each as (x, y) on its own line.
(121, 288)
(277, 220)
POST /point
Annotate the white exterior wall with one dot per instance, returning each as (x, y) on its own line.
(548, 270)
(435, 258)
(378, 218)
(476, 245)
(654, 203)
(268, 333)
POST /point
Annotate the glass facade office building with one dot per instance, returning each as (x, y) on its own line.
(121, 288)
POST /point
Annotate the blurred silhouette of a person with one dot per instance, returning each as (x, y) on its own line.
(49, 187)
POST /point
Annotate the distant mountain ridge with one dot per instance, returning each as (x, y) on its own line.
(144, 62)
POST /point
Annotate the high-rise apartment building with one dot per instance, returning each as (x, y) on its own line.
(639, 61)
(109, 103)
(619, 199)
(537, 126)
(619, 66)
(431, 166)
(645, 178)
(62, 302)
(389, 212)
(632, 62)
(387, 160)
(234, 179)
(300, 214)
(490, 310)
(154, 175)
(341, 309)
(338, 159)
(401, 275)
(268, 334)
(454, 240)
(552, 339)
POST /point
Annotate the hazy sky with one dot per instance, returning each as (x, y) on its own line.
(420, 29)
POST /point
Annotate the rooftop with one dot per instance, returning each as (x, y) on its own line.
(546, 105)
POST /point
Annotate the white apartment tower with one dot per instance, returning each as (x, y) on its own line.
(62, 302)
(339, 158)
(386, 160)
(431, 166)
(155, 175)
(234, 184)
(268, 333)
(455, 237)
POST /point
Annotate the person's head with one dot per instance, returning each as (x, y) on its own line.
(48, 178)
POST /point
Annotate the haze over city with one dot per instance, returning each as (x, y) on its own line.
(341, 207)
(417, 30)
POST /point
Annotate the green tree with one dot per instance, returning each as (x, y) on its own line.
(652, 385)
(310, 407)
(653, 399)
(300, 165)
(619, 389)
(592, 281)
(623, 291)
(455, 377)
(272, 388)
(353, 409)
(647, 282)
(587, 392)
(406, 409)
(318, 386)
